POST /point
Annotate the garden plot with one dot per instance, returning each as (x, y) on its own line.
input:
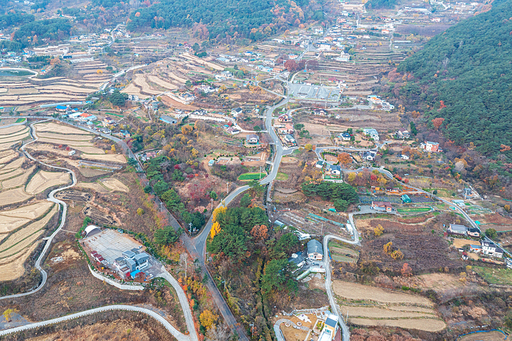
(43, 180)
(371, 306)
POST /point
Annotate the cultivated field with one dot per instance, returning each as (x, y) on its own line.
(372, 306)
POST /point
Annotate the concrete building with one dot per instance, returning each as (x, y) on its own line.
(330, 328)
(252, 139)
(458, 229)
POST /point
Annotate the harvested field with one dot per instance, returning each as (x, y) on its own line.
(10, 174)
(53, 127)
(71, 137)
(13, 196)
(58, 140)
(118, 158)
(354, 291)
(89, 172)
(94, 186)
(459, 243)
(19, 180)
(15, 138)
(24, 237)
(8, 157)
(162, 83)
(381, 312)
(430, 325)
(115, 185)
(140, 81)
(16, 164)
(43, 180)
(13, 267)
(11, 130)
(12, 219)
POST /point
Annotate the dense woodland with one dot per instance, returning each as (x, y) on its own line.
(252, 260)
(463, 76)
(219, 19)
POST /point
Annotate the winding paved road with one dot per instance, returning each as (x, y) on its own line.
(179, 336)
(62, 204)
(51, 197)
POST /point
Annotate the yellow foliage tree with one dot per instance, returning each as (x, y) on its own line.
(140, 211)
(308, 147)
(397, 255)
(113, 148)
(351, 177)
(388, 247)
(379, 230)
(218, 210)
(8, 314)
(208, 318)
(186, 129)
(215, 229)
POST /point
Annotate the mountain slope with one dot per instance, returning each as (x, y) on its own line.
(469, 68)
(237, 18)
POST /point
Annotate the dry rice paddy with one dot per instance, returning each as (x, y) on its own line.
(51, 133)
(43, 180)
(115, 185)
(372, 306)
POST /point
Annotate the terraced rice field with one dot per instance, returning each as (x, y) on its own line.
(15, 249)
(22, 226)
(29, 90)
(54, 134)
(371, 306)
(44, 180)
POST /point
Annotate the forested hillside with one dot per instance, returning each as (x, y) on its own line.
(464, 75)
(218, 19)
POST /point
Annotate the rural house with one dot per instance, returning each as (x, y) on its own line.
(315, 250)
(252, 139)
(333, 170)
(382, 206)
(345, 136)
(372, 133)
(473, 232)
(330, 328)
(491, 249)
(457, 229)
(298, 259)
(430, 146)
(168, 119)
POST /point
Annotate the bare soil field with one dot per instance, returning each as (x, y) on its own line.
(43, 180)
(94, 186)
(484, 336)
(356, 291)
(430, 325)
(115, 185)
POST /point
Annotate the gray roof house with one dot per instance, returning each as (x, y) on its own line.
(458, 229)
(315, 250)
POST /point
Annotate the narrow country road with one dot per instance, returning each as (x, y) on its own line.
(179, 336)
(62, 204)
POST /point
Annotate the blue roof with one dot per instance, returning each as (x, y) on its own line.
(134, 273)
(61, 107)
